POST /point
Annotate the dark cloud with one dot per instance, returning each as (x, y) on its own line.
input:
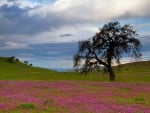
(13, 12)
(47, 53)
(55, 50)
(66, 35)
(16, 20)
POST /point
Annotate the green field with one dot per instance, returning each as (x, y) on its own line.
(26, 89)
(138, 71)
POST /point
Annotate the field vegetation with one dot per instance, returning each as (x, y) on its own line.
(133, 72)
(29, 89)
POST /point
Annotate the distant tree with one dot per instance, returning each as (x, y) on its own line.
(30, 65)
(107, 47)
(26, 62)
(11, 59)
(17, 60)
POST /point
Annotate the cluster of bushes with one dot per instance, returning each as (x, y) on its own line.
(12, 59)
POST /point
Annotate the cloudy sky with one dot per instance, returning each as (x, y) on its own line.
(46, 32)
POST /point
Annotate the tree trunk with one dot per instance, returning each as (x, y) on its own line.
(111, 73)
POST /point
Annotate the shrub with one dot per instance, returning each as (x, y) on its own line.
(26, 62)
(17, 60)
(11, 59)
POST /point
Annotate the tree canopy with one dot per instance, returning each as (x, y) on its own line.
(107, 47)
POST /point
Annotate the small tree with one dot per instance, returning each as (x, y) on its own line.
(11, 59)
(107, 47)
(17, 60)
(26, 62)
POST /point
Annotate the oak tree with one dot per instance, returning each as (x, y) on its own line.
(107, 47)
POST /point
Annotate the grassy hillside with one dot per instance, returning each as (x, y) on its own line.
(19, 70)
(142, 66)
(138, 71)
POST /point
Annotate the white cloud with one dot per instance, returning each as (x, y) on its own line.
(27, 3)
(13, 45)
(94, 10)
(53, 36)
(20, 3)
(79, 17)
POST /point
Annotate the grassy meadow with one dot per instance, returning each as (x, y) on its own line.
(132, 72)
(27, 89)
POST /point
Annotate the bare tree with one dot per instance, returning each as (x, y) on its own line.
(107, 47)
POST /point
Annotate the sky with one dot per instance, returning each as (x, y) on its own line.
(46, 32)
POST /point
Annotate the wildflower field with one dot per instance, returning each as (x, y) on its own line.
(25, 89)
(74, 97)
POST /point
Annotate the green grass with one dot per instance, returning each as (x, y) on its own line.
(26, 106)
(131, 100)
(132, 72)
(48, 110)
(20, 71)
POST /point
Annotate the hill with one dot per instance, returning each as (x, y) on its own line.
(136, 71)
(141, 66)
(19, 70)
